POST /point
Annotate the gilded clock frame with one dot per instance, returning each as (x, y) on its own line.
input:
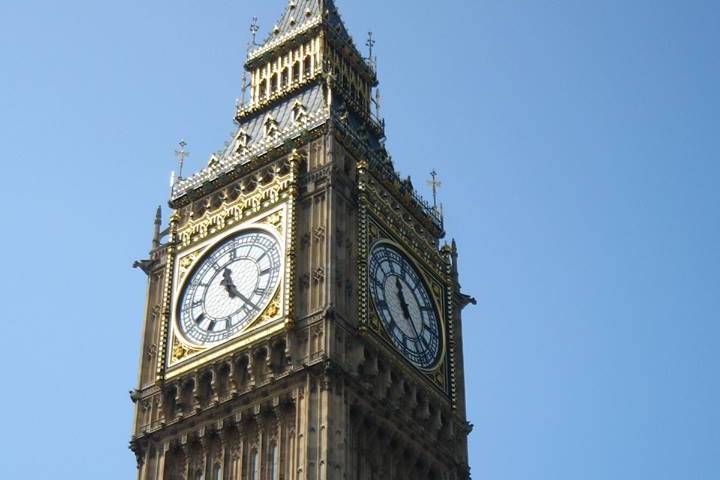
(270, 206)
(430, 287)
(382, 219)
(192, 259)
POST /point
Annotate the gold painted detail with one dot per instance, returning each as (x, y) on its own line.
(186, 262)
(232, 213)
(180, 351)
(276, 221)
(273, 309)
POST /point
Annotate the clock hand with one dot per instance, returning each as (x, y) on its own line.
(228, 283)
(405, 307)
(232, 290)
(401, 297)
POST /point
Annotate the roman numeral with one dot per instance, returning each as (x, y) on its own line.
(200, 318)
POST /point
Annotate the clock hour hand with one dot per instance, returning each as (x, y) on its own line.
(401, 297)
(228, 283)
(232, 290)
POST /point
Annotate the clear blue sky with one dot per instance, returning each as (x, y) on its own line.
(578, 145)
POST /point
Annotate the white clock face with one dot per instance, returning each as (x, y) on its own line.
(231, 287)
(404, 306)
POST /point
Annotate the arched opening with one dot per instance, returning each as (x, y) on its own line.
(274, 85)
(296, 72)
(262, 90)
(186, 396)
(242, 375)
(260, 365)
(274, 471)
(170, 401)
(205, 389)
(223, 380)
(254, 466)
(285, 77)
(217, 472)
(278, 358)
(307, 66)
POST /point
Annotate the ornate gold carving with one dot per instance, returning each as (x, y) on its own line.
(374, 233)
(233, 212)
(272, 310)
(181, 351)
(276, 221)
(186, 262)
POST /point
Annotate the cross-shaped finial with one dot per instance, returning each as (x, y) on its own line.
(435, 184)
(181, 156)
(254, 29)
(370, 44)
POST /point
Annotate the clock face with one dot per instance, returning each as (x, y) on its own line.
(404, 306)
(231, 287)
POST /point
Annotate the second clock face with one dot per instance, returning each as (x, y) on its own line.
(404, 306)
(231, 287)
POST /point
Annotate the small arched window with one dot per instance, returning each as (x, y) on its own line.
(254, 466)
(274, 466)
(307, 66)
(217, 472)
(274, 85)
(262, 90)
(285, 77)
(296, 72)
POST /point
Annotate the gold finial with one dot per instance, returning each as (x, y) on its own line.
(435, 185)
(181, 156)
(254, 27)
(370, 44)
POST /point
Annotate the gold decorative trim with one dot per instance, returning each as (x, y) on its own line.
(275, 220)
(180, 351)
(186, 262)
(232, 213)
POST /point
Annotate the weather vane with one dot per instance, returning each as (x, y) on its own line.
(181, 156)
(435, 184)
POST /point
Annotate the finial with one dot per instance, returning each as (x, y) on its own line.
(378, 112)
(370, 44)
(181, 156)
(156, 231)
(434, 184)
(254, 27)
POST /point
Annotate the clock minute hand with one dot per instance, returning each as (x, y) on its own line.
(232, 290)
(401, 297)
(405, 307)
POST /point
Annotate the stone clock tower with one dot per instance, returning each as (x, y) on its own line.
(303, 318)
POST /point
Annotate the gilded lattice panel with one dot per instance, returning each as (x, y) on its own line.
(182, 355)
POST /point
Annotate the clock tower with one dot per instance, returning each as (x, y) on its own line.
(303, 313)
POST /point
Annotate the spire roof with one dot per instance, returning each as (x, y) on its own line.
(302, 15)
(297, 14)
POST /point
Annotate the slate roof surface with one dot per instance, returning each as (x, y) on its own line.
(258, 142)
(311, 99)
(300, 14)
